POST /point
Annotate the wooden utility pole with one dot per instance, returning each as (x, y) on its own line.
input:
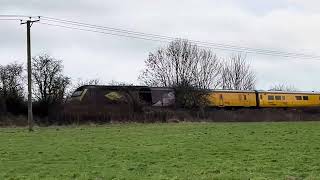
(30, 115)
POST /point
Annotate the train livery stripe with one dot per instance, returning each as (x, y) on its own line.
(83, 93)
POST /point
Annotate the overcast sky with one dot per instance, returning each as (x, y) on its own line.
(286, 25)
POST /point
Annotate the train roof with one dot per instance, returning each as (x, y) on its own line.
(264, 91)
(289, 92)
(232, 91)
(111, 87)
(133, 87)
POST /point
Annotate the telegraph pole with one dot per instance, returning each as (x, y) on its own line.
(30, 115)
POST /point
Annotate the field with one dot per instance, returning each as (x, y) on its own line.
(163, 151)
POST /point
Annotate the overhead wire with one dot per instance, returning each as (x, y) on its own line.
(151, 39)
(129, 36)
(10, 19)
(96, 31)
(210, 44)
(134, 33)
(102, 27)
(7, 17)
(15, 15)
(76, 25)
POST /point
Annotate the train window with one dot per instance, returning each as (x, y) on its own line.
(145, 95)
(270, 97)
(298, 98)
(278, 98)
(245, 97)
(306, 98)
(261, 97)
(283, 98)
(221, 96)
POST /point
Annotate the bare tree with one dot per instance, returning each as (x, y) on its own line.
(186, 67)
(283, 87)
(11, 78)
(237, 74)
(182, 63)
(49, 82)
(11, 88)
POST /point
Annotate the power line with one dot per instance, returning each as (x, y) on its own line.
(168, 40)
(135, 37)
(102, 32)
(129, 36)
(104, 27)
(150, 39)
(15, 15)
(75, 25)
(210, 44)
(119, 32)
(11, 19)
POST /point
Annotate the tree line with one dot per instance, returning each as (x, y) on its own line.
(51, 87)
(190, 69)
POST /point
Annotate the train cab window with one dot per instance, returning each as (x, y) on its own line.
(270, 97)
(283, 98)
(77, 93)
(306, 98)
(245, 97)
(278, 98)
(298, 98)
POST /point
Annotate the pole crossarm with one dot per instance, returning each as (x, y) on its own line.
(31, 20)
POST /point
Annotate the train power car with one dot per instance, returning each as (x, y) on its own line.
(110, 95)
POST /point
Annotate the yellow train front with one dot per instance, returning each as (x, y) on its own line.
(263, 99)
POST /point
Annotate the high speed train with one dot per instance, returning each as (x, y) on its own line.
(165, 97)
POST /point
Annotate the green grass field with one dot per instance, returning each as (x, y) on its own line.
(163, 151)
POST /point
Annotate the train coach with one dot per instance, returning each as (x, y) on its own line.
(263, 99)
(232, 98)
(288, 99)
